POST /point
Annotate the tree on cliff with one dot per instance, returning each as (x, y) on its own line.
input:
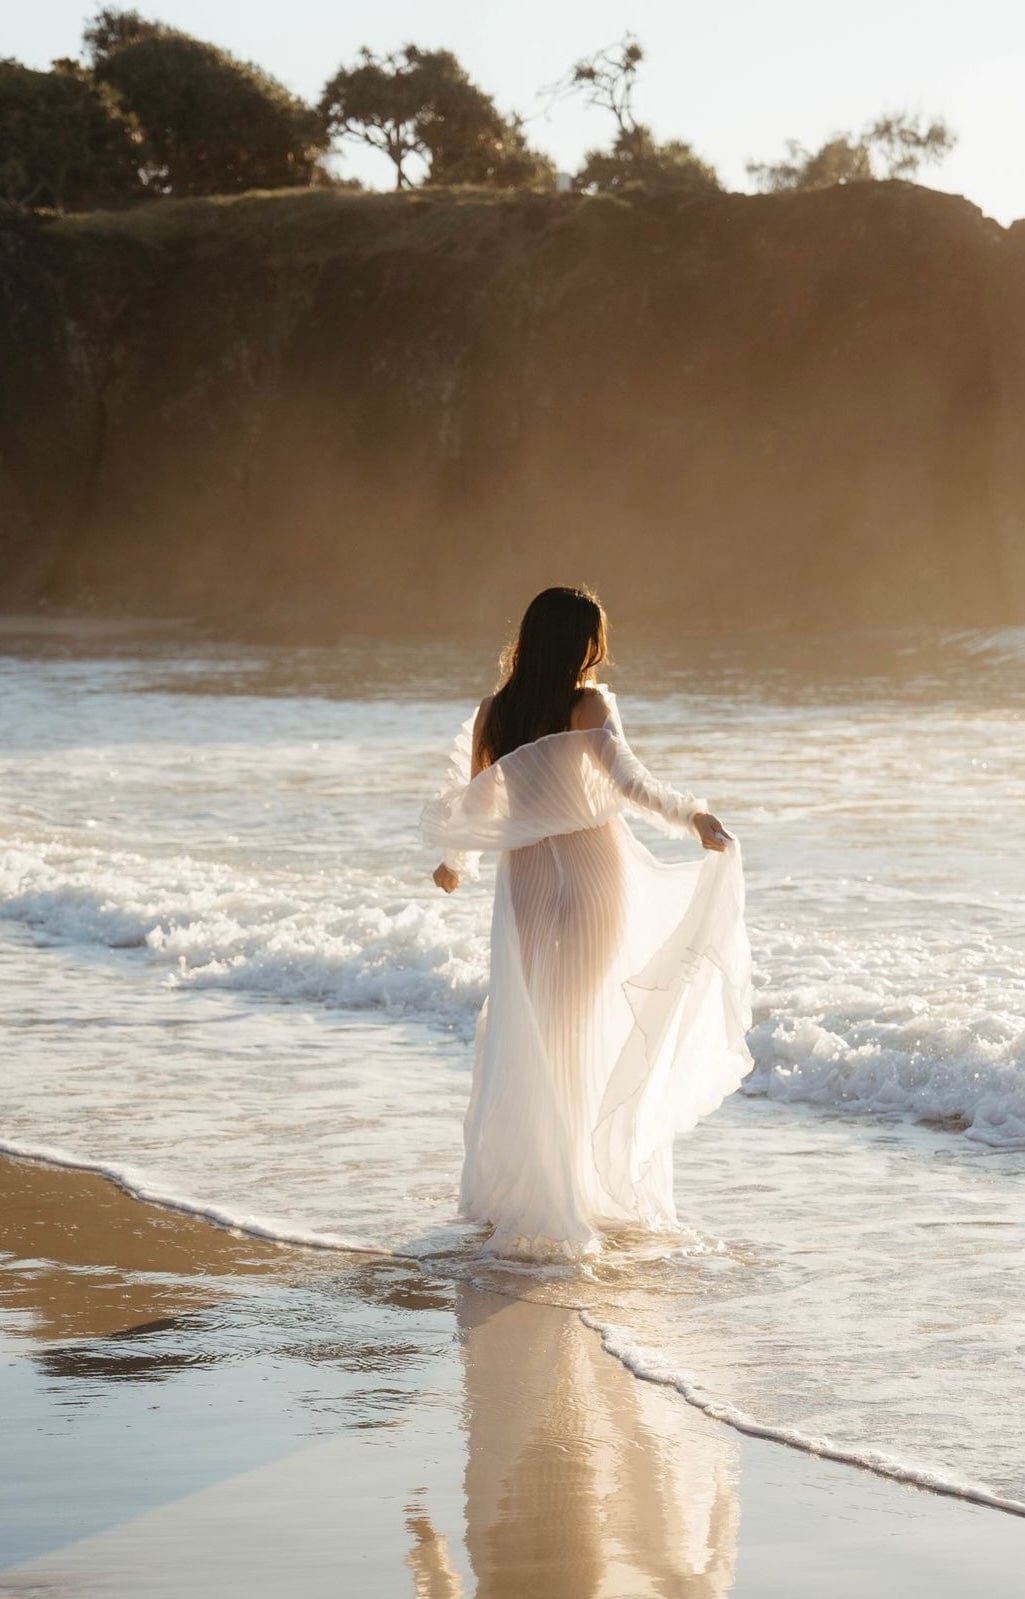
(893, 146)
(212, 124)
(64, 140)
(421, 104)
(636, 159)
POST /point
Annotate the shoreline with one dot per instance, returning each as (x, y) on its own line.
(381, 1427)
(267, 1231)
(331, 1246)
(118, 625)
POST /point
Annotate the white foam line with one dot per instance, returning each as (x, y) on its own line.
(250, 1226)
(615, 1342)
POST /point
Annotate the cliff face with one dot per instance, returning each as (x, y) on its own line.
(364, 411)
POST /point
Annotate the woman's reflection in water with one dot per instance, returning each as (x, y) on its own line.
(581, 1480)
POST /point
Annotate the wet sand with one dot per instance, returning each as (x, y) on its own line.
(191, 1412)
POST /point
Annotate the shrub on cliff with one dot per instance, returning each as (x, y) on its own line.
(65, 143)
(421, 104)
(212, 124)
(893, 146)
(636, 161)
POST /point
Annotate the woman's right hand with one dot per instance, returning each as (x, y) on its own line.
(446, 878)
(711, 831)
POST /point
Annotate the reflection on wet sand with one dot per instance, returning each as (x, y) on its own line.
(434, 1575)
(580, 1480)
(148, 1351)
(79, 1258)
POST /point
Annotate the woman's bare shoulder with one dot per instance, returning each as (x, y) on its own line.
(590, 710)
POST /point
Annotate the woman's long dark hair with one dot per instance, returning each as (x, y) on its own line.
(562, 638)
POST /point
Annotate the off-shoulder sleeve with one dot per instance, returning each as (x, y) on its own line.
(670, 809)
(466, 862)
(555, 784)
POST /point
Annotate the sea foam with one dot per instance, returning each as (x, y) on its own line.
(357, 944)
(650, 1367)
(900, 1026)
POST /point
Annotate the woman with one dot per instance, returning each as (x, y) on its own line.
(619, 994)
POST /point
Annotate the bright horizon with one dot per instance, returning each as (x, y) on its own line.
(736, 87)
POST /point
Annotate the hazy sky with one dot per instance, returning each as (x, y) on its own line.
(735, 81)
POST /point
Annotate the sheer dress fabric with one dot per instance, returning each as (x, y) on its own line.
(619, 994)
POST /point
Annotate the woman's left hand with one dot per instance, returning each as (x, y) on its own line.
(711, 831)
(446, 878)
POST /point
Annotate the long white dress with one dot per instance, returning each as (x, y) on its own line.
(619, 995)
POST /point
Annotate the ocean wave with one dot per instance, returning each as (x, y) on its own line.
(1003, 645)
(898, 1027)
(902, 1030)
(359, 946)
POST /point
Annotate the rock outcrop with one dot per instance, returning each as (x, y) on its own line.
(329, 412)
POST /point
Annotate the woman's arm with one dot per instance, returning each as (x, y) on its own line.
(447, 874)
(643, 791)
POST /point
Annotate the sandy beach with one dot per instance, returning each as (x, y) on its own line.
(190, 1411)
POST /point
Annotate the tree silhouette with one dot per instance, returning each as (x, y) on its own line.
(607, 79)
(636, 159)
(421, 104)
(64, 141)
(212, 124)
(895, 145)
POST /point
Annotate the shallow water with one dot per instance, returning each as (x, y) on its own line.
(237, 987)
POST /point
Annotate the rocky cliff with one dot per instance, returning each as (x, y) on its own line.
(333, 411)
